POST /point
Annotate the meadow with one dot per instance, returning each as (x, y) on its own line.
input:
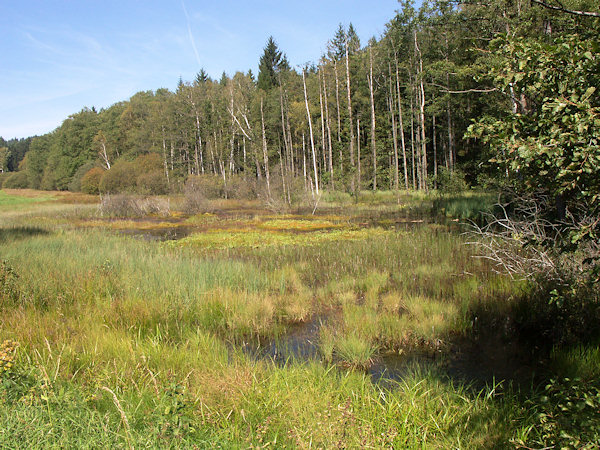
(370, 323)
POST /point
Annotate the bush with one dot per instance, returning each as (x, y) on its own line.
(119, 179)
(239, 188)
(90, 182)
(194, 199)
(150, 162)
(9, 284)
(132, 206)
(17, 180)
(211, 186)
(152, 183)
(3, 177)
(567, 415)
(75, 184)
(451, 182)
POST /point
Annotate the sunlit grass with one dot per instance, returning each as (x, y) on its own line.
(162, 326)
(241, 238)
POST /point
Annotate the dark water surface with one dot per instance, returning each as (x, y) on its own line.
(477, 363)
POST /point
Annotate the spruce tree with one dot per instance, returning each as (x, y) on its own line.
(271, 63)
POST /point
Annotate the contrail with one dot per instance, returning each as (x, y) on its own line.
(190, 33)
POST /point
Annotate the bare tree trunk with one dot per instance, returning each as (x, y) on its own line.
(435, 170)
(395, 142)
(372, 98)
(450, 139)
(422, 115)
(337, 102)
(358, 151)
(304, 162)
(450, 161)
(323, 142)
(285, 193)
(310, 128)
(351, 123)
(412, 141)
(231, 153)
(401, 123)
(256, 163)
(292, 169)
(244, 156)
(283, 129)
(328, 131)
(199, 147)
(213, 150)
(101, 139)
(165, 162)
(172, 155)
(264, 146)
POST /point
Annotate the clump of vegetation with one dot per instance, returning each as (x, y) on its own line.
(450, 181)
(10, 292)
(196, 196)
(355, 352)
(75, 184)
(229, 239)
(8, 350)
(152, 183)
(90, 182)
(119, 179)
(123, 205)
(16, 180)
(567, 415)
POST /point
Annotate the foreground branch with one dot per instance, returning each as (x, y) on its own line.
(561, 8)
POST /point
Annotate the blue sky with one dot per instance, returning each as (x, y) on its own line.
(59, 56)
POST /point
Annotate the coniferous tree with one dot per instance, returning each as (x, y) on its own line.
(271, 63)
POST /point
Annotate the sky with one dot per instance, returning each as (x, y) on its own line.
(59, 56)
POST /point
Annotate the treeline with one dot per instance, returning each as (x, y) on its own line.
(12, 153)
(391, 113)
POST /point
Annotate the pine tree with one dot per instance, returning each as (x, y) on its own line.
(202, 77)
(271, 63)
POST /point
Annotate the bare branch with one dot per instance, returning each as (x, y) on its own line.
(466, 91)
(565, 10)
(239, 124)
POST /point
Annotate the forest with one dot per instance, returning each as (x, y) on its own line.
(404, 111)
(394, 246)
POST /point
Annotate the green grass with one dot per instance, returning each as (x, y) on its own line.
(162, 326)
(8, 201)
(465, 206)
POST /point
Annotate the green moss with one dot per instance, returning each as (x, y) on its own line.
(219, 239)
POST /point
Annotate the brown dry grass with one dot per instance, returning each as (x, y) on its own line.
(61, 196)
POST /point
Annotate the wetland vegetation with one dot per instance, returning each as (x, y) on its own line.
(369, 323)
(397, 246)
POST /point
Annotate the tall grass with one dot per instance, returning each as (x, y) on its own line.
(159, 326)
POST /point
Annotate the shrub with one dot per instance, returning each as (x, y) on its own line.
(17, 180)
(120, 205)
(451, 182)
(119, 179)
(3, 177)
(90, 182)
(9, 284)
(150, 162)
(75, 184)
(567, 415)
(194, 199)
(152, 183)
(240, 188)
(211, 186)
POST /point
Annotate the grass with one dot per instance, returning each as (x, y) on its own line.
(465, 206)
(248, 238)
(116, 341)
(14, 201)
